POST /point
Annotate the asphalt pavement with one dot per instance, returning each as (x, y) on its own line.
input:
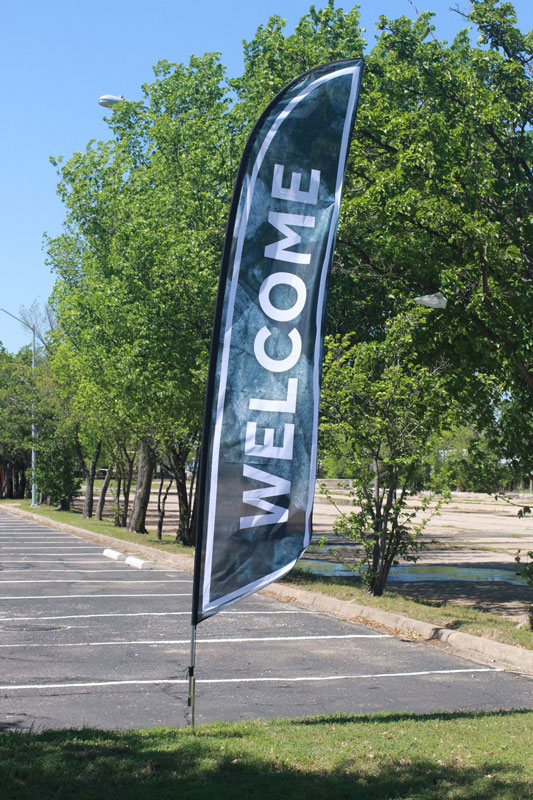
(87, 641)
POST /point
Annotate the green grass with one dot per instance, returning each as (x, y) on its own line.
(444, 756)
(463, 618)
(167, 544)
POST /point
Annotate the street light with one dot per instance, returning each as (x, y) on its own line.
(34, 503)
(436, 300)
(110, 100)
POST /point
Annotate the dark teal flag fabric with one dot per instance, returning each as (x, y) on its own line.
(257, 475)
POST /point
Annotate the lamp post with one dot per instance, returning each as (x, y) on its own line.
(34, 503)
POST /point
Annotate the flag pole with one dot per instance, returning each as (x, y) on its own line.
(191, 700)
(202, 465)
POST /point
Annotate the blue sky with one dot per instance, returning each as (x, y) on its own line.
(58, 57)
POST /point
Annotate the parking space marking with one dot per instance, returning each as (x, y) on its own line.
(86, 596)
(144, 614)
(96, 580)
(53, 543)
(56, 561)
(88, 553)
(62, 571)
(280, 679)
(231, 640)
(17, 550)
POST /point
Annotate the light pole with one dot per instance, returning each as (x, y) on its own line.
(33, 458)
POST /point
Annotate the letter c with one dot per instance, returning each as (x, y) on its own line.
(273, 364)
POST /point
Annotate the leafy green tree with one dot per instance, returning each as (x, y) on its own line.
(57, 471)
(380, 409)
(438, 191)
(137, 267)
(438, 197)
(439, 194)
(465, 460)
(16, 397)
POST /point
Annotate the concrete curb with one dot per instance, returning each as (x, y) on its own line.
(475, 647)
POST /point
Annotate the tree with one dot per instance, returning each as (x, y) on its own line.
(145, 470)
(16, 398)
(137, 266)
(380, 408)
(465, 460)
(440, 193)
(57, 470)
(438, 197)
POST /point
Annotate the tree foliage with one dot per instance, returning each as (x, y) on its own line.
(380, 410)
(438, 197)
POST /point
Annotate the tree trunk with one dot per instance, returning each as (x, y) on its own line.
(24, 486)
(185, 533)
(378, 581)
(116, 514)
(16, 484)
(161, 503)
(101, 499)
(177, 466)
(137, 520)
(88, 502)
(126, 486)
(9, 484)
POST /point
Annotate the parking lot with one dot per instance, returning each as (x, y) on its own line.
(91, 642)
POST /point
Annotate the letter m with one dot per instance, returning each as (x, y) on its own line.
(279, 250)
(255, 497)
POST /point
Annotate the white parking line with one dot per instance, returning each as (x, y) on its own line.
(144, 614)
(161, 642)
(280, 679)
(62, 571)
(97, 580)
(85, 596)
(42, 537)
(87, 553)
(75, 547)
(56, 561)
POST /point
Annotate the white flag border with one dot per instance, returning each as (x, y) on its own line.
(206, 606)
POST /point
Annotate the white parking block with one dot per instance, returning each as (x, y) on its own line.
(116, 555)
(139, 563)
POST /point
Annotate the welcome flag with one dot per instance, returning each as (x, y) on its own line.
(258, 466)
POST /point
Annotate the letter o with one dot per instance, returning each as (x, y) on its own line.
(273, 364)
(282, 314)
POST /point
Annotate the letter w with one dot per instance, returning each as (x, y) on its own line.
(254, 497)
(278, 250)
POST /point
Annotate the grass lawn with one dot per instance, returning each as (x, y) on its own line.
(463, 618)
(444, 756)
